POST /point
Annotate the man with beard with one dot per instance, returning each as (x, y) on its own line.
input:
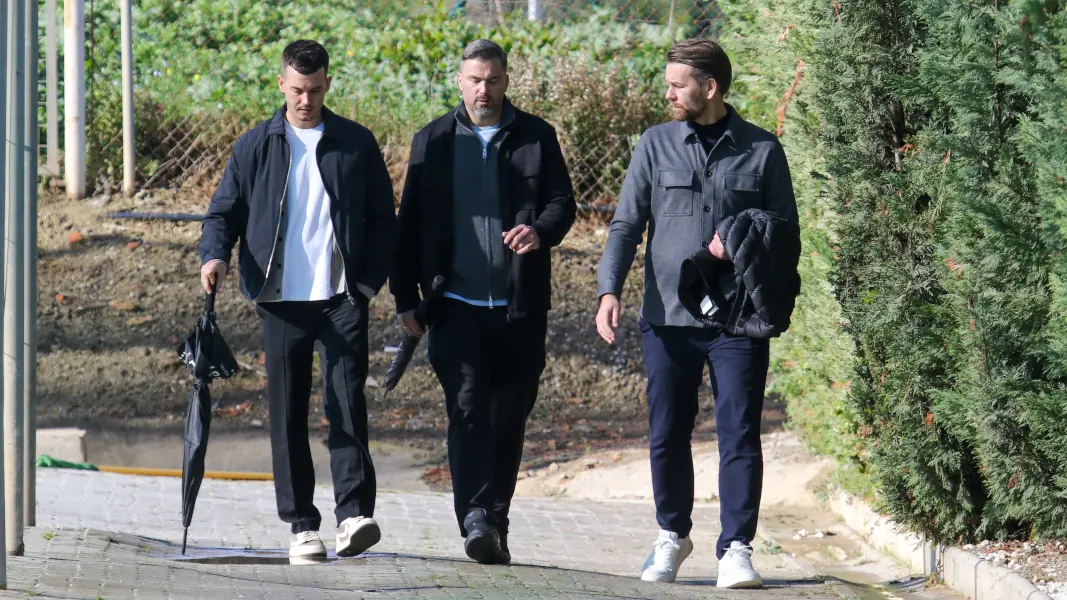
(487, 194)
(308, 195)
(684, 178)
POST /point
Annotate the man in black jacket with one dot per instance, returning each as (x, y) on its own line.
(487, 195)
(308, 196)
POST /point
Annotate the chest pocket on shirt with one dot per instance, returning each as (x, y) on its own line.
(674, 193)
(742, 191)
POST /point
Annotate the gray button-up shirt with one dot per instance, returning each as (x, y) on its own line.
(681, 192)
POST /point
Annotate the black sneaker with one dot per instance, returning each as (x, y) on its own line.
(483, 539)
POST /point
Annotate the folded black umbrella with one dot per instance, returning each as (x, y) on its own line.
(410, 342)
(208, 357)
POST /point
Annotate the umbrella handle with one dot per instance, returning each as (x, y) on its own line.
(209, 302)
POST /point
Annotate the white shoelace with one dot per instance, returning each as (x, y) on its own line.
(665, 551)
(305, 537)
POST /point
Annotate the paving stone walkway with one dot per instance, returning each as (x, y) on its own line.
(102, 535)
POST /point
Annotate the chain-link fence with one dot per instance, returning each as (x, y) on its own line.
(205, 72)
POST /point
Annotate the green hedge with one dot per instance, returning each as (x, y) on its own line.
(945, 139)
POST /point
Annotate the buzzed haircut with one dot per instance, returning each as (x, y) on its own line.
(485, 50)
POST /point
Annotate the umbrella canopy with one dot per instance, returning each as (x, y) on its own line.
(208, 357)
(410, 342)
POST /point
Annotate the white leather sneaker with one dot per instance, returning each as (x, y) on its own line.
(307, 544)
(735, 569)
(667, 556)
(355, 535)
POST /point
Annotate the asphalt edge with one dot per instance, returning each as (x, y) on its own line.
(965, 573)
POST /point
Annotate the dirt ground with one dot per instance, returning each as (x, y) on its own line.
(117, 296)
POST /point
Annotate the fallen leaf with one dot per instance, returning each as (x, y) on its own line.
(141, 320)
(134, 245)
(61, 298)
(75, 238)
(123, 305)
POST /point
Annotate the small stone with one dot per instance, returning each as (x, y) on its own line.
(591, 463)
(123, 305)
(134, 245)
(61, 298)
(552, 468)
(257, 423)
(75, 238)
(139, 291)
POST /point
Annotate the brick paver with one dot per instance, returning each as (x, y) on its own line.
(115, 536)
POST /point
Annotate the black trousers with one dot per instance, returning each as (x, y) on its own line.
(291, 333)
(489, 368)
(675, 359)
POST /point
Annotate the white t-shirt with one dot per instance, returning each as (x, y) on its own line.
(309, 236)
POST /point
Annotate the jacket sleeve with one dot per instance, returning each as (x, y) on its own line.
(779, 197)
(628, 225)
(381, 228)
(560, 209)
(404, 283)
(227, 215)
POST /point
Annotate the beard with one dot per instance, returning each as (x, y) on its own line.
(485, 111)
(689, 111)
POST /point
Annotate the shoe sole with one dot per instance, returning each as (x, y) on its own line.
(361, 539)
(308, 554)
(484, 550)
(741, 585)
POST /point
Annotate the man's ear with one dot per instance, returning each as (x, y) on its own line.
(712, 88)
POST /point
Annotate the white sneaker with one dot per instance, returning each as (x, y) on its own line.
(735, 568)
(667, 555)
(307, 544)
(356, 534)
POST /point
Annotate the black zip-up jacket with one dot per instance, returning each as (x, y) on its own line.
(535, 190)
(248, 203)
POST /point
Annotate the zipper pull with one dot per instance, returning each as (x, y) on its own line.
(485, 153)
(490, 300)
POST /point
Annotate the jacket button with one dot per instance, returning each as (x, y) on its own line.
(707, 209)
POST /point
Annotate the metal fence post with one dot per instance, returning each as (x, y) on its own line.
(51, 76)
(13, 326)
(129, 152)
(29, 271)
(74, 97)
(3, 188)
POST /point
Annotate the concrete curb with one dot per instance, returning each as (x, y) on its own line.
(966, 573)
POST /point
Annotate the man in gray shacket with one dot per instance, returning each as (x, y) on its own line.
(486, 196)
(684, 178)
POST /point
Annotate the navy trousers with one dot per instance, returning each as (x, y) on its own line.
(674, 359)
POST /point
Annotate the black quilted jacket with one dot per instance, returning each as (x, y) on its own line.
(764, 250)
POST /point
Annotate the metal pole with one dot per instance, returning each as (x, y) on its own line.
(533, 10)
(4, 22)
(74, 97)
(129, 153)
(51, 95)
(29, 272)
(13, 392)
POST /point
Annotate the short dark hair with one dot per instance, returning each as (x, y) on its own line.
(485, 50)
(306, 57)
(707, 58)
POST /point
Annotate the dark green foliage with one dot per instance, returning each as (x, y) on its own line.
(941, 135)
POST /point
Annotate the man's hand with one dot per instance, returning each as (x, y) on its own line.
(410, 324)
(211, 274)
(522, 239)
(607, 317)
(716, 248)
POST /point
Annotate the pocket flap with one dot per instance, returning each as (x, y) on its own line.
(742, 182)
(676, 178)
